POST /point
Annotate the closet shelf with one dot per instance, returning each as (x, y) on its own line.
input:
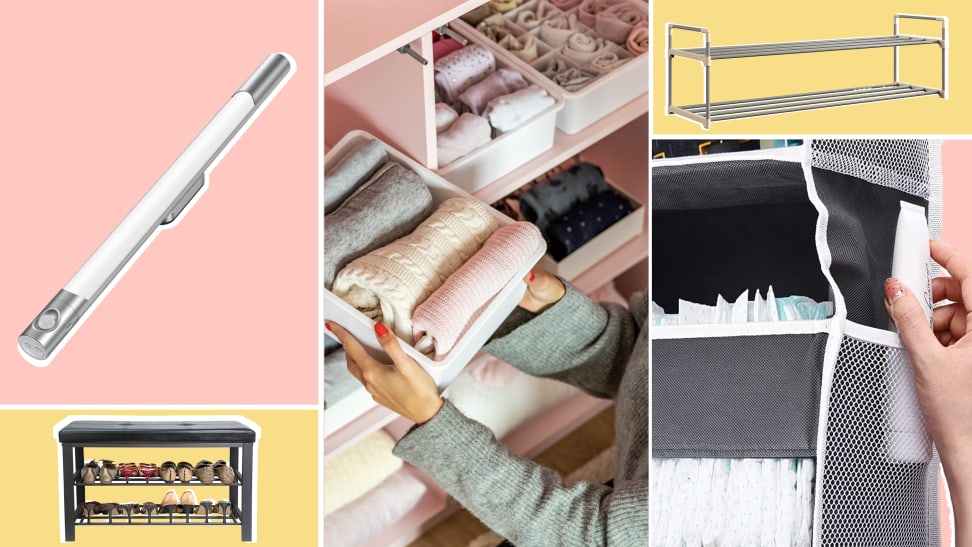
(809, 46)
(708, 111)
(765, 106)
(358, 33)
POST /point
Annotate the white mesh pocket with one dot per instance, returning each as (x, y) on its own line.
(880, 485)
(904, 165)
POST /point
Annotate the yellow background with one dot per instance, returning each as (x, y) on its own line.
(287, 493)
(759, 21)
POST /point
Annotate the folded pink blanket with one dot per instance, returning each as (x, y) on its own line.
(588, 10)
(377, 509)
(461, 69)
(387, 284)
(582, 48)
(441, 320)
(556, 30)
(616, 22)
(501, 82)
(466, 134)
(638, 39)
(507, 112)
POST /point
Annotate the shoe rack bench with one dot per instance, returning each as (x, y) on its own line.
(237, 437)
(707, 112)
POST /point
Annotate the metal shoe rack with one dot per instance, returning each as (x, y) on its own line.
(78, 435)
(707, 112)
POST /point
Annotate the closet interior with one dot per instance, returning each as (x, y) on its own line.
(371, 85)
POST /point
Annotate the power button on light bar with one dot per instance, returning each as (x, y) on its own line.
(47, 320)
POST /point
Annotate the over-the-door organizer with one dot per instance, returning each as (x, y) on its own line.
(707, 112)
(818, 221)
(76, 436)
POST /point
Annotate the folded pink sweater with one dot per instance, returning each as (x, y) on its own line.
(440, 321)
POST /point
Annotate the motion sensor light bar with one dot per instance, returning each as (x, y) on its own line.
(161, 205)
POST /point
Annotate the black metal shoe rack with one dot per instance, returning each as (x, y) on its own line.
(78, 435)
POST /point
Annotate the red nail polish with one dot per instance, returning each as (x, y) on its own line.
(327, 326)
(381, 330)
(532, 276)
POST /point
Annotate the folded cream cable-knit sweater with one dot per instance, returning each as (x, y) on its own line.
(602, 349)
(388, 283)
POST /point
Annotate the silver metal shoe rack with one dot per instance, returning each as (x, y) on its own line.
(708, 112)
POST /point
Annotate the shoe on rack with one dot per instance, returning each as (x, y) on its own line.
(167, 471)
(169, 501)
(204, 471)
(188, 502)
(224, 472)
(184, 471)
(147, 470)
(89, 473)
(127, 470)
(108, 471)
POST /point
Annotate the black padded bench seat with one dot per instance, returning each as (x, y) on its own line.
(118, 433)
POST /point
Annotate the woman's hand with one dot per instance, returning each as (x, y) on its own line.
(942, 361)
(402, 386)
(543, 290)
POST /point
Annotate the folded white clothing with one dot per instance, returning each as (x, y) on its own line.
(357, 470)
(468, 133)
(379, 508)
(507, 112)
(445, 116)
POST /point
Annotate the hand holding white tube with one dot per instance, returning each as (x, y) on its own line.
(942, 361)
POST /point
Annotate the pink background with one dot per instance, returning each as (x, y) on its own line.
(98, 98)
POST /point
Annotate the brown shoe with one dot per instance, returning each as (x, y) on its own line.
(204, 471)
(169, 499)
(89, 473)
(108, 471)
(168, 471)
(184, 471)
(224, 472)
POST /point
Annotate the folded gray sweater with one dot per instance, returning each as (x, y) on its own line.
(602, 349)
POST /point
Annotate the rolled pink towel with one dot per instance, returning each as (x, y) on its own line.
(556, 30)
(616, 22)
(565, 4)
(638, 39)
(440, 321)
(582, 49)
(502, 82)
(588, 10)
(523, 46)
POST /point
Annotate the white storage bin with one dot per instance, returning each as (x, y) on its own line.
(592, 102)
(602, 246)
(444, 370)
(510, 150)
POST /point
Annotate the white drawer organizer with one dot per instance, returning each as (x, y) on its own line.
(816, 220)
(707, 112)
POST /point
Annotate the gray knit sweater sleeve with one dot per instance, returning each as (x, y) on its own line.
(590, 346)
(576, 340)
